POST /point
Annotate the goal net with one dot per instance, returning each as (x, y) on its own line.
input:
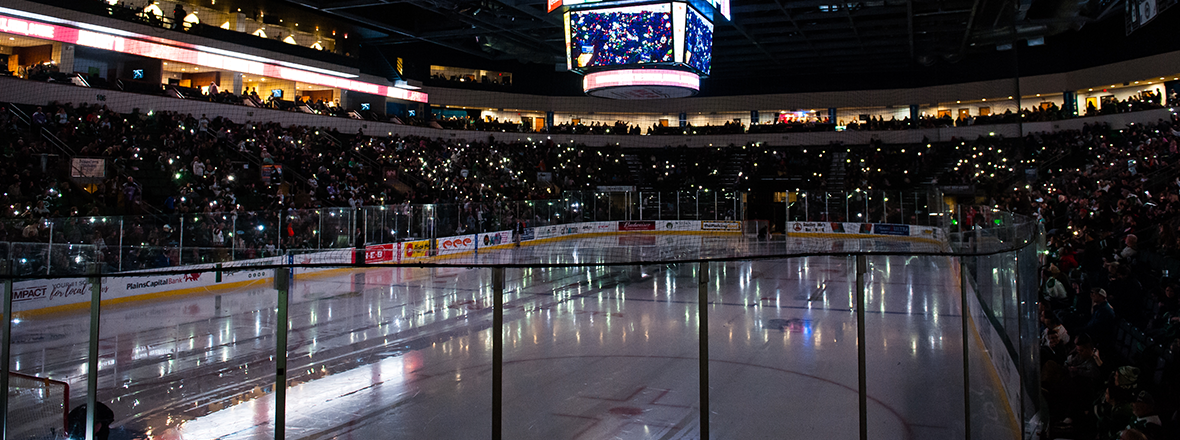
(37, 407)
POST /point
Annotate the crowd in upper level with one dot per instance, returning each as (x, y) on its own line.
(1144, 100)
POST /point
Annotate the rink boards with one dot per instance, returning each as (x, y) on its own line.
(60, 294)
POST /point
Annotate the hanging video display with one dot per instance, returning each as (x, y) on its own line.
(698, 42)
(622, 36)
(668, 34)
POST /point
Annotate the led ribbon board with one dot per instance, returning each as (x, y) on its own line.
(169, 50)
(721, 6)
(641, 84)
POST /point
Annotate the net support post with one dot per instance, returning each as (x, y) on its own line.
(497, 352)
(862, 372)
(92, 269)
(703, 336)
(966, 354)
(282, 281)
(5, 341)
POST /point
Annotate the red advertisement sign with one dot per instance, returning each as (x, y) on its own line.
(381, 253)
(641, 225)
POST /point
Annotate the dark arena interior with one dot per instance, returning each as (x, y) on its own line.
(590, 219)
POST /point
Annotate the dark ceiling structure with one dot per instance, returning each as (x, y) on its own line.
(796, 39)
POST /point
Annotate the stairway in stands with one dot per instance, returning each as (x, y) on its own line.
(835, 185)
(731, 172)
(634, 166)
(837, 176)
(946, 163)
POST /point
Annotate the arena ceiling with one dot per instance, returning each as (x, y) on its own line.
(765, 39)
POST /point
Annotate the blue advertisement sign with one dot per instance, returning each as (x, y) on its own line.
(891, 229)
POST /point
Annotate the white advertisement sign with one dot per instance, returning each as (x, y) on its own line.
(490, 239)
(452, 245)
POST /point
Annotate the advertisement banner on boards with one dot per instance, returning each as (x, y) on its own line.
(721, 225)
(678, 225)
(494, 238)
(605, 226)
(638, 225)
(546, 232)
(809, 227)
(381, 253)
(451, 245)
(923, 231)
(415, 249)
(887, 229)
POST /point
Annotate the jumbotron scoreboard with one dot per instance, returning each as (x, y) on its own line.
(640, 49)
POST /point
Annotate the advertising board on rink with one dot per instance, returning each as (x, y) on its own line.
(930, 232)
(494, 238)
(451, 245)
(380, 253)
(886, 229)
(540, 232)
(809, 227)
(638, 225)
(721, 225)
(413, 249)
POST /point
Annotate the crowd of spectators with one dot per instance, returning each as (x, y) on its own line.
(214, 173)
(1145, 100)
(1109, 199)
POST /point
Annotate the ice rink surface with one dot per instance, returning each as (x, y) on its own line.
(607, 352)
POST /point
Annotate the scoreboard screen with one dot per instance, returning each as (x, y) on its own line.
(668, 34)
(698, 42)
(640, 49)
(622, 36)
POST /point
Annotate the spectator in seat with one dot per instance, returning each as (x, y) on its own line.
(1113, 412)
(39, 119)
(1102, 318)
(1147, 421)
(178, 15)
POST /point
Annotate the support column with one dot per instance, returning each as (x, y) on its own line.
(237, 85)
(282, 281)
(498, 353)
(5, 342)
(92, 353)
(860, 346)
(63, 54)
(966, 354)
(703, 339)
